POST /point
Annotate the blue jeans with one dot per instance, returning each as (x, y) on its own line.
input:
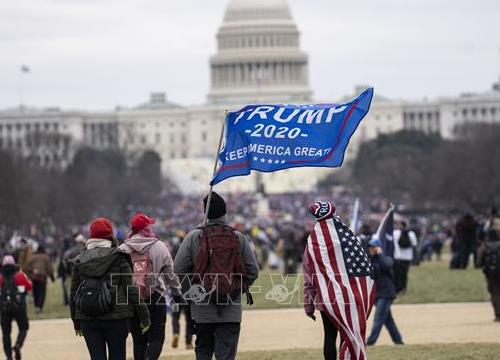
(383, 316)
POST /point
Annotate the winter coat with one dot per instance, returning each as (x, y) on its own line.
(184, 264)
(161, 261)
(20, 279)
(23, 257)
(97, 262)
(384, 276)
(40, 267)
(484, 249)
(466, 230)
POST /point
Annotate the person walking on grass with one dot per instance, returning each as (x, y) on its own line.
(337, 281)
(385, 293)
(488, 259)
(103, 295)
(39, 269)
(176, 317)
(183, 308)
(405, 240)
(219, 263)
(14, 285)
(153, 273)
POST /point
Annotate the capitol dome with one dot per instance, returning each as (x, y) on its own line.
(258, 55)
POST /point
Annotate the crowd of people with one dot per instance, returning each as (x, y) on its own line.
(176, 244)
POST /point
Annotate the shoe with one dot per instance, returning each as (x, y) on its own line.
(189, 347)
(17, 352)
(497, 319)
(175, 341)
(399, 343)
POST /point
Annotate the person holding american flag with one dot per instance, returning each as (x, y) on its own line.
(338, 283)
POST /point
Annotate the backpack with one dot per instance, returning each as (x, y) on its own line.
(94, 297)
(492, 262)
(404, 240)
(10, 297)
(219, 264)
(143, 273)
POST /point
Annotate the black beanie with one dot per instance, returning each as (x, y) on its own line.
(217, 206)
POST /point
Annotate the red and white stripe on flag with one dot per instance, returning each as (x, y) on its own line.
(348, 299)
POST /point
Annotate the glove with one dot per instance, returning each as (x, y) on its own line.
(311, 315)
(309, 310)
(145, 328)
(78, 332)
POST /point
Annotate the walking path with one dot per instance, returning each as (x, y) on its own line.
(289, 328)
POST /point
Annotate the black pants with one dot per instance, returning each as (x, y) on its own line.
(291, 261)
(404, 268)
(21, 318)
(149, 345)
(494, 290)
(466, 250)
(186, 309)
(330, 339)
(220, 339)
(102, 334)
(39, 291)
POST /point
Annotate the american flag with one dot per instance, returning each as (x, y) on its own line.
(343, 279)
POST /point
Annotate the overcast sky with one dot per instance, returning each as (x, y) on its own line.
(97, 54)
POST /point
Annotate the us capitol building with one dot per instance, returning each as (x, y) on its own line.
(258, 60)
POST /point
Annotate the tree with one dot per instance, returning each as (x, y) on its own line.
(395, 165)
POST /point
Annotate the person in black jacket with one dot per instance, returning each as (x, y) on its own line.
(385, 293)
(102, 259)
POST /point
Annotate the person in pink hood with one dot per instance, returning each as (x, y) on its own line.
(153, 272)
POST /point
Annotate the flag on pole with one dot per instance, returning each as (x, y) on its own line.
(355, 215)
(385, 232)
(343, 275)
(25, 69)
(275, 137)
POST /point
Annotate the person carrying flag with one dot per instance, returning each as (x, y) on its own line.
(338, 283)
(384, 295)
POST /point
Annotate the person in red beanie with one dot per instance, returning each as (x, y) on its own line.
(153, 272)
(103, 296)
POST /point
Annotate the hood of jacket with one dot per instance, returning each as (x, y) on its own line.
(139, 244)
(97, 261)
(9, 270)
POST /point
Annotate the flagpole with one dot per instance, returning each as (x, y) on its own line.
(355, 214)
(209, 199)
(21, 88)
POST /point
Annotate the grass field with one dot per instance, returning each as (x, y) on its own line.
(429, 283)
(409, 352)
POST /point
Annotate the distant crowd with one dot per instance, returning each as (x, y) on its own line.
(276, 228)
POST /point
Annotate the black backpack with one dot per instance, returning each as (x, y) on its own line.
(492, 262)
(10, 297)
(94, 296)
(404, 240)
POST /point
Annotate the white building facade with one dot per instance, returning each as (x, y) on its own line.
(258, 60)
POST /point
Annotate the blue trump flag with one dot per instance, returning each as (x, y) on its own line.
(275, 137)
